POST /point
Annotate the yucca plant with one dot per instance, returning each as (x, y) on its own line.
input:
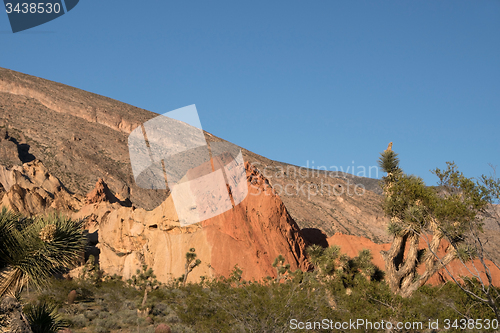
(43, 318)
(32, 249)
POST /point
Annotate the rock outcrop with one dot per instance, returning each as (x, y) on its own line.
(250, 236)
(31, 190)
(9, 153)
(102, 193)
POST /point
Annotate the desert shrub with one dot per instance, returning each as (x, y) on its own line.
(103, 315)
(182, 328)
(107, 323)
(78, 321)
(160, 309)
(233, 305)
(44, 318)
(219, 307)
(91, 314)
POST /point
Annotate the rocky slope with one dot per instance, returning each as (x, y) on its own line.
(31, 190)
(12, 319)
(82, 137)
(253, 233)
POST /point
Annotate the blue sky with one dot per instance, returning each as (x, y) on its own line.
(325, 81)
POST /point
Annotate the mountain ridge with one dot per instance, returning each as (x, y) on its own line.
(81, 137)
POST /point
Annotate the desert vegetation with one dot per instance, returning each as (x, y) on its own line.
(337, 291)
(452, 211)
(36, 251)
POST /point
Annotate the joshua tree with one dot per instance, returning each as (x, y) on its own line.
(479, 284)
(282, 269)
(32, 249)
(191, 263)
(326, 261)
(330, 264)
(417, 212)
(144, 280)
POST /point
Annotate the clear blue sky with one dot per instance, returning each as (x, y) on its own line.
(325, 81)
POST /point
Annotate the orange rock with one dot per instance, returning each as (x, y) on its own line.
(251, 236)
(351, 245)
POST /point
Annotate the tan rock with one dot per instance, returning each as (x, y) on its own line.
(32, 190)
(251, 235)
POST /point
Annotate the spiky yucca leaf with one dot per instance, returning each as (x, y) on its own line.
(42, 247)
(11, 281)
(43, 318)
(8, 236)
(466, 252)
(364, 258)
(315, 252)
(394, 229)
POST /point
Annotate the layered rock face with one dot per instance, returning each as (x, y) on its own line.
(81, 137)
(250, 236)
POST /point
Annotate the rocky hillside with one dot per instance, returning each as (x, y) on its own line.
(123, 238)
(81, 137)
(57, 142)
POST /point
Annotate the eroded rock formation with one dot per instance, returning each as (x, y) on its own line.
(251, 236)
(31, 190)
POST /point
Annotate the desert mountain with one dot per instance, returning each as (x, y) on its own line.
(81, 137)
(123, 237)
(57, 142)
